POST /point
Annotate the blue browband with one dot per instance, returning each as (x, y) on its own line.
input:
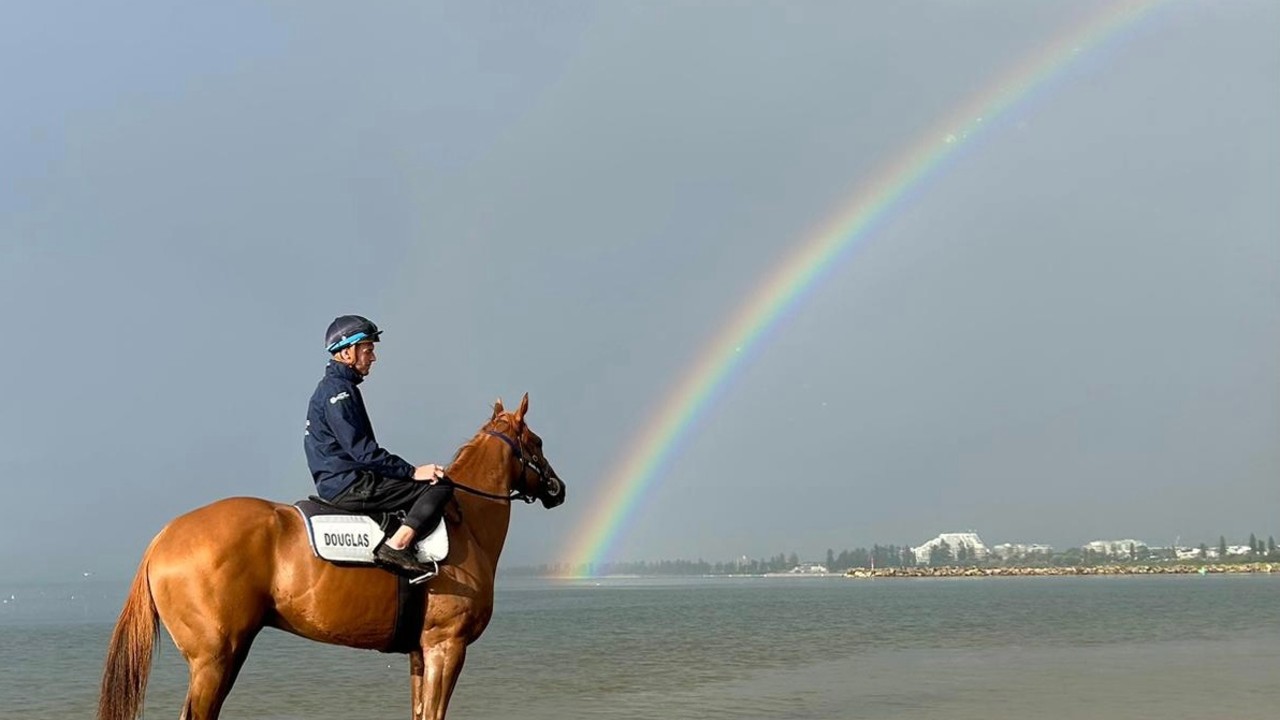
(515, 447)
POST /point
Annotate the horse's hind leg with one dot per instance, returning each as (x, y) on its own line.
(211, 574)
(213, 672)
(214, 634)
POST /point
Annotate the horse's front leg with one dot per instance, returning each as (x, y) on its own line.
(415, 684)
(443, 662)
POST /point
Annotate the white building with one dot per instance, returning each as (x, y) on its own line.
(973, 545)
(1210, 553)
(1114, 548)
(1186, 553)
(1017, 551)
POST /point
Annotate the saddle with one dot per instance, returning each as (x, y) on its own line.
(344, 537)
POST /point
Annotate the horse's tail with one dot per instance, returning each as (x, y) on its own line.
(124, 679)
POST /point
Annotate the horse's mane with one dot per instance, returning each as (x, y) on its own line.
(470, 443)
(475, 439)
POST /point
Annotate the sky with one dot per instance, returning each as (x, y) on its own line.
(1069, 333)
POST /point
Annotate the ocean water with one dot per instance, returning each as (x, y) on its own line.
(1166, 648)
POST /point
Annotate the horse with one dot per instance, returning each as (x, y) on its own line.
(218, 575)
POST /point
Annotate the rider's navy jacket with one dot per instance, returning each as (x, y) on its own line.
(339, 440)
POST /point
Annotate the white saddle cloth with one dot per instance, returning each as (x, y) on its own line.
(352, 538)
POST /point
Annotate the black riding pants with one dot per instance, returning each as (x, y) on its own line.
(422, 502)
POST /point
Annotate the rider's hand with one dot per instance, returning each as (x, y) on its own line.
(428, 473)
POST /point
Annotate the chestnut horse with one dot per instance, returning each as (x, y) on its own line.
(218, 575)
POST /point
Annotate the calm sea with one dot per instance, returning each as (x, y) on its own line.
(1165, 648)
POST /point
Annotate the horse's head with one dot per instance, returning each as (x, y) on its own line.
(534, 478)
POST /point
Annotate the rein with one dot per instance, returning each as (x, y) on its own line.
(487, 495)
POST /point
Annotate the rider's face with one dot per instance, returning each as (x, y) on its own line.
(365, 357)
(360, 357)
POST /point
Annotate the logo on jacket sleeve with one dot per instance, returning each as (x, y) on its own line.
(340, 396)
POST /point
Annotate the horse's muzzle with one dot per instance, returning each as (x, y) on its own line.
(552, 492)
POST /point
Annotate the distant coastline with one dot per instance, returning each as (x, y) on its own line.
(1010, 571)
(970, 571)
(958, 554)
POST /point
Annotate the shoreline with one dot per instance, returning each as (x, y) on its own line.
(952, 571)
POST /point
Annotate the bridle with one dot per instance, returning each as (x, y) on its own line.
(548, 483)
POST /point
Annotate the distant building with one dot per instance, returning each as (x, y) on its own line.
(1210, 553)
(1186, 553)
(810, 569)
(1115, 548)
(974, 547)
(1018, 551)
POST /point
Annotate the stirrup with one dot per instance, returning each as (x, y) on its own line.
(434, 571)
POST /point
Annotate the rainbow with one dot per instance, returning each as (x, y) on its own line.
(686, 404)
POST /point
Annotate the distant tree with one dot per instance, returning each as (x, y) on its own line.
(1222, 547)
(842, 561)
(1204, 551)
(880, 556)
(908, 556)
(893, 556)
(793, 560)
(962, 554)
(1133, 552)
(831, 559)
(1271, 545)
(1255, 547)
(941, 554)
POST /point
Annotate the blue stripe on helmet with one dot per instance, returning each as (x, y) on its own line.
(347, 341)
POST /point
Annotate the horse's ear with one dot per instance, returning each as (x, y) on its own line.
(497, 409)
(524, 408)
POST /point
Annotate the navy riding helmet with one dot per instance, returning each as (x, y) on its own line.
(348, 330)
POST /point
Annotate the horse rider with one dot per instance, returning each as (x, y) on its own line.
(349, 468)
